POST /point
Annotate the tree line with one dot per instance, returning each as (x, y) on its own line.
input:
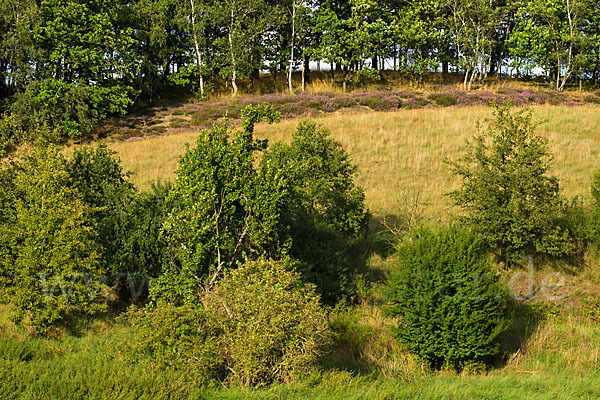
(69, 64)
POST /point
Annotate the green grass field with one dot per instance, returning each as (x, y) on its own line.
(560, 361)
(399, 155)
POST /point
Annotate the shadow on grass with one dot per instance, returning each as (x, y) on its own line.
(525, 321)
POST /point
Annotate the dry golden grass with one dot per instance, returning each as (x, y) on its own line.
(402, 153)
(320, 81)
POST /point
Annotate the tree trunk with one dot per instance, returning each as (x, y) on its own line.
(196, 45)
(233, 61)
(444, 67)
(291, 67)
(305, 72)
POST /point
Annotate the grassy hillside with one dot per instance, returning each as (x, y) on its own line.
(559, 361)
(551, 352)
(402, 153)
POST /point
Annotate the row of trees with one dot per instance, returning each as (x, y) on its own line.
(71, 63)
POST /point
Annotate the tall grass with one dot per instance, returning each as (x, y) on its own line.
(403, 152)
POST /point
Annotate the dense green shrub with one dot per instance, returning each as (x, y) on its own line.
(71, 108)
(511, 202)
(443, 289)
(129, 224)
(141, 248)
(323, 209)
(222, 209)
(8, 216)
(53, 244)
(258, 325)
(272, 324)
(444, 99)
(182, 337)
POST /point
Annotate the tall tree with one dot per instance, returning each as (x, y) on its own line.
(245, 22)
(548, 33)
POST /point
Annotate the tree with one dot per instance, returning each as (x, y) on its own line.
(245, 22)
(82, 65)
(56, 269)
(511, 202)
(18, 51)
(222, 211)
(549, 33)
(349, 34)
(415, 30)
(473, 25)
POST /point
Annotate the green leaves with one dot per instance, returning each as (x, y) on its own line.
(53, 244)
(223, 209)
(511, 202)
(451, 307)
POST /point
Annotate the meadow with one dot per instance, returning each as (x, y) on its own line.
(554, 354)
(402, 153)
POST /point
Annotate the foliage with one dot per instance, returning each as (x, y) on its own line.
(324, 209)
(222, 209)
(129, 224)
(52, 244)
(450, 304)
(511, 202)
(273, 326)
(183, 338)
(73, 109)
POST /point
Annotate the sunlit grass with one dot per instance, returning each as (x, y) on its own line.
(402, 153)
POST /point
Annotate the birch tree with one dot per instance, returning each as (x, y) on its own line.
(243, 22)
(548, 33)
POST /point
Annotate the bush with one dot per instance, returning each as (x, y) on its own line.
(323, 210)
(451, 307)
(52, 242)
(258, 325)
(182, 338)
(128, 223)
(273, 326)
(444, 99)
(98, 176)
(70, 108)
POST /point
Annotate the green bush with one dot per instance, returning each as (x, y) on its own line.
(451, 307)
(54, 269)
(71, 108)
(323, 212)
(182, 338)
(128, 223)
(444, 99)
(272, 325)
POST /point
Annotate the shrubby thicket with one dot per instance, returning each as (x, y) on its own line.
(299, 201)
(235, 293)
(512, 203)
(451, 306)
(234, 263)
(260, 324)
